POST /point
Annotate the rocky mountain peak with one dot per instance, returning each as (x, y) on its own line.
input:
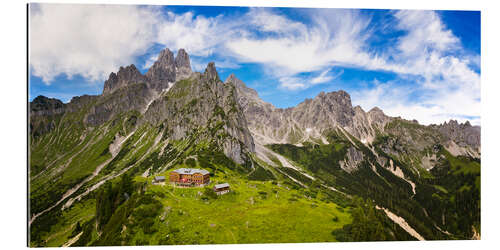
(182, 59)
(207, 107)
(359, 109)
(211, 73)
(237, 82)
(375, 110)
(241, 86)
(377, 117)
(325, 110)
(43, 105)
(182, 65)
(462, 133)
(163, 71)
(124, 76)
(339, 97)
(166, 57)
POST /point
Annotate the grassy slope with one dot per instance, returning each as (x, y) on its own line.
(254, 212)
(279, 209)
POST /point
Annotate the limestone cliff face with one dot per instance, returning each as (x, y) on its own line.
(162, 73)
(124, 77)
(167, 69)
(207, 107)
(182, 65)
(133, 97)
(309, 120)
(462, 133)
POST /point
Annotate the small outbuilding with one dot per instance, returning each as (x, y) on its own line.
(159, 179)
(221, 189)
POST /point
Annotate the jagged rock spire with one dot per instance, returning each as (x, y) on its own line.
(182, 65)
(211, 73)
(124, 76)
(163, 70)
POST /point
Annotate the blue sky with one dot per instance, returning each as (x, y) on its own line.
(422, 65)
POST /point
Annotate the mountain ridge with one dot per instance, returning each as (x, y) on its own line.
(144, 125)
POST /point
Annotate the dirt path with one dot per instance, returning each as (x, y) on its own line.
(73, 240)
(402, 223)
(293, 179)
(334, 189)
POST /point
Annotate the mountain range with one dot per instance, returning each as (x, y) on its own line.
(394, 179)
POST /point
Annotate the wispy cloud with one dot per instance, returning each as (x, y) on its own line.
(325, 77)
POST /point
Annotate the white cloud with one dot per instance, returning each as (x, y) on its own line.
(199, 35)
(265, 20)
(292, 83)
(90, 40)
(425, 31)
(431, 105)
(303, 82)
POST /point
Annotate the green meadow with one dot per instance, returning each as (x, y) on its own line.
(253, 212)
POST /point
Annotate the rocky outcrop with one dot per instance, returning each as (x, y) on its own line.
(362, 127)
(204, 105)
(182, 65)
(352, 160)
(167, 69)
(43, 111)
(78, 103)
(162, 73)
(42, 105)
(464, 134)
(326, 110)
(308, 120)
(377, 118)
(124, 77)
(211, 73)
(127, 98)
